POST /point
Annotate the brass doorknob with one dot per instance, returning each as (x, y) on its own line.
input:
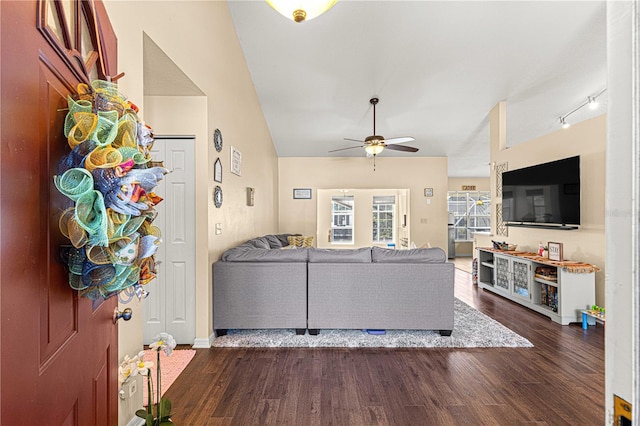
(125, 314)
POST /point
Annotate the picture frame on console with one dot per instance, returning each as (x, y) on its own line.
(555, 251)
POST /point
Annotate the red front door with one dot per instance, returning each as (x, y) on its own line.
(58, 351)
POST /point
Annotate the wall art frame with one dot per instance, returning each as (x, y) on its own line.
(236, 161)
(302, 193)
(217, 170)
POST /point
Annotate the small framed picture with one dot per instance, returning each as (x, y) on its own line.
(428, 192)
(217, 170)
(302, 194)
(555, 251)
(236, 161)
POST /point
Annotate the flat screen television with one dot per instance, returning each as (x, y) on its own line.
(544, 194)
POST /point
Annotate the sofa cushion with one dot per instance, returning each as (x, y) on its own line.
(274, 241)
(246, 254)
(300, 241)
(418, 255)
(261, 243)
(361, 255)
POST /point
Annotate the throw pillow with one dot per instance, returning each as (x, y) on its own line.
(300, 241)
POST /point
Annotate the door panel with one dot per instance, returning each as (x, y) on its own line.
(58, 363)
(171, 306)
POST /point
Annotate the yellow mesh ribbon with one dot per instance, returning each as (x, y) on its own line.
(75, 107)
(102, 158)
(127, 133)
(100, 255)
(70, 228)
(86, 124)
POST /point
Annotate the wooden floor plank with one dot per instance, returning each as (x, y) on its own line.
(558, 381)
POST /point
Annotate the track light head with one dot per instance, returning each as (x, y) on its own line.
(592, 102)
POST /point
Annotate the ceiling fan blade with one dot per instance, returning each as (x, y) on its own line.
(402, 139)
(342, 149)
(401, 148)
(353, 140)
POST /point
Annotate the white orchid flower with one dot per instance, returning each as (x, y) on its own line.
(127, 368)
(163, 341)
(143, 367)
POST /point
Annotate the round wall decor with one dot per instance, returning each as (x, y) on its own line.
(217, 140)
(217, 196)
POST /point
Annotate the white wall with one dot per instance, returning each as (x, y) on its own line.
(481, 183)
(200, 38)
(587, 244)
(428, 222)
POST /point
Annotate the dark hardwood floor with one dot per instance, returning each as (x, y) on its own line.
(560, 381)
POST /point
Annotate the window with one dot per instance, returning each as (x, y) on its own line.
(383, 219)
(342, 219)
(472, 213)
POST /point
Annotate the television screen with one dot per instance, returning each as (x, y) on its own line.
(547, 193)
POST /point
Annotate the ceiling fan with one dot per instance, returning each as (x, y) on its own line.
(375, 144)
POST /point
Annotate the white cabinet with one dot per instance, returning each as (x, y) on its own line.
(513, 276)
(542, 286)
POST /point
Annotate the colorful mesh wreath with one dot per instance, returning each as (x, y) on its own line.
(109, 175)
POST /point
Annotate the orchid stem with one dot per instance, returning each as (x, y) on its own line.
(158, 388)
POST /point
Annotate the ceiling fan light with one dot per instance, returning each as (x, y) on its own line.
(301, 10)
(374, 149)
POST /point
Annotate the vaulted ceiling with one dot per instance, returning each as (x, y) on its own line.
(438, 68)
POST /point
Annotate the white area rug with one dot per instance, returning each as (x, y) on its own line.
(472, 329)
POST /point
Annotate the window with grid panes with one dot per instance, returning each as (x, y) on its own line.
(383, 219)
(342, 219)
(472, 212)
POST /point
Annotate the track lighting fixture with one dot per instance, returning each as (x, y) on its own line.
(592, 102)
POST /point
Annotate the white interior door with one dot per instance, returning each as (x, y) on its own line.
(170, 306)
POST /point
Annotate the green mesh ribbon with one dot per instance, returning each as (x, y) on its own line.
(74, 183)
(129, 153)
(91, 215)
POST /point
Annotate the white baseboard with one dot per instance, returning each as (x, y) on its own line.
(203, 343)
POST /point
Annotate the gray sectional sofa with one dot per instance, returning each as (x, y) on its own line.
(259, 284)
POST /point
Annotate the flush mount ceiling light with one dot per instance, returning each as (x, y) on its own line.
(592, 102)
(301, 10)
